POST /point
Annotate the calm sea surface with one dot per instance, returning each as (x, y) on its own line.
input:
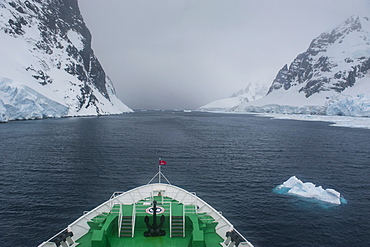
(52, 170)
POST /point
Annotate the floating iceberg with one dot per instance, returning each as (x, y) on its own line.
(294, 186)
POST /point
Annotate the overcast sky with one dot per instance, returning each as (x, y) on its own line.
(182, 54)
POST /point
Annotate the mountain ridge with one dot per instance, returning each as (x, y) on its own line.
(309, 68)
(47, 48)
(330, 78)
(250, 93)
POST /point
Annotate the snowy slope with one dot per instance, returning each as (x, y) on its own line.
(251, 93)
(330, 78)
(47, 66)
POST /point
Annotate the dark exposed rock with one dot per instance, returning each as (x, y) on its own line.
(55, 18)
(43, 78)
(280, 79)
(313, 69)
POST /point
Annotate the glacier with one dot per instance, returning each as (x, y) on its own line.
(21, 102)
(347, 105)
(338, 121)
(353, 102)
(295, 186)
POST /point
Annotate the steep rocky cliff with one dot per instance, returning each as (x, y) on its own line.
(46, 56)
(334, 61)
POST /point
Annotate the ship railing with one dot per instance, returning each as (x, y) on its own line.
(170, 219)
(81, 227)
(120, 220)
(117, 193)
(184, 197)
(183, 220)
(200, 206)
(185, 212)
(133, 219)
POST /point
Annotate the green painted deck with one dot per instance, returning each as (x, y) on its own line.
(199, 228)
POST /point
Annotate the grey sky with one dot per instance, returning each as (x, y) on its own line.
(181, 54)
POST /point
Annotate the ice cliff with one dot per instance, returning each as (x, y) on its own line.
(47, 65)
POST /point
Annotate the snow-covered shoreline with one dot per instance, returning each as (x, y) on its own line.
(338, 121)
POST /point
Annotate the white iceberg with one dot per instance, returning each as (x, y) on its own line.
(294, 186)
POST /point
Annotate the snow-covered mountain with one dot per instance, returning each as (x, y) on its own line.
(252, 92)
(47, 65)
(331, 77)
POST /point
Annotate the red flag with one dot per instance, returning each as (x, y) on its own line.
(162, 162)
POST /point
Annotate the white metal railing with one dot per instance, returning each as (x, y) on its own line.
(120, 220)
(133, 220)
(183, 221)
(170, 219)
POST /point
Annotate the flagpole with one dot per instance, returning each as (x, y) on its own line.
(159, 168)
(159, 173)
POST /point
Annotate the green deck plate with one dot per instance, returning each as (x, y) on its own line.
(204, 225)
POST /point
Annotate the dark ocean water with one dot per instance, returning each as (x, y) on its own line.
(52, 170)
